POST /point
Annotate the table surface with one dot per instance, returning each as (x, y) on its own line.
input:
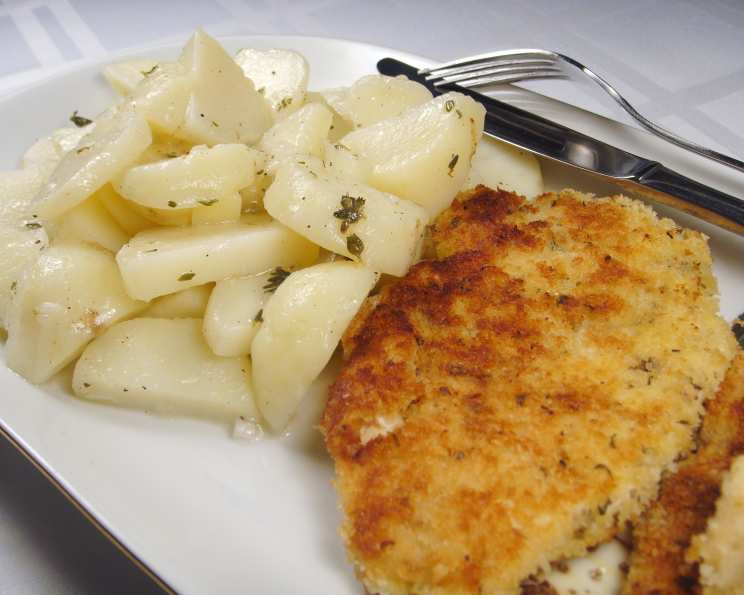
(678, 62)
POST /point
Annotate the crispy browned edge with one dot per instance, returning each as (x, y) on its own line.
(688, 497)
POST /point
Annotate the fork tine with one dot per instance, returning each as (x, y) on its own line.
(455, 70)
(505, 69)
(504, 54)
(508, 77)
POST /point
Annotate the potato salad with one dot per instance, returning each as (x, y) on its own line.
(199, 247)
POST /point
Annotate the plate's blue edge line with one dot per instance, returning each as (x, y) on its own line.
(59, 484)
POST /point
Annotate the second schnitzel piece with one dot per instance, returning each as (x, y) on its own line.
(687, 497)
(516, 400)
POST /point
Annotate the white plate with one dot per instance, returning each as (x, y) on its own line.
(206, 513)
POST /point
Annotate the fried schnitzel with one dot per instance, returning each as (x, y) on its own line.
(516, 399)
(688, 497)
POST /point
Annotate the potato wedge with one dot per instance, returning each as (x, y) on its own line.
(44, 155)
(115, 143)
(376, 97)
(339, 126)
(232, 316)
(304, 132)
(164, 366)
(121, 210)
(342, 163)
(224, 106)
(162, 95)
(223, 210)
(500, 165)
(164, 217)
(160, 261)
(60, 303)
(90, 222)
(125, 76)
(279, 75)
(69, 138)
(302, 324)
(189, 303)
(22, 237)
(202, 176)
(424, 154)
(385, 233)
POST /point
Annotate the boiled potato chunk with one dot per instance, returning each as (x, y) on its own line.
(164, 366)
(90, 222)
(339, 126)
(279, 75)
(302, 324)
(376, 97)
(44, 155)
(342, 163)
(165, 217)
(115, 143)
(304, 132)
(69, 138)
(224, 106)
(22, 237)
(232, 316)
(189, 303)
(122, 212)
(357, 221)
(220, 210)
(162, 96)
(61, 302)
(125, 76)
(204, 175)
(424, 154)
(160, 261)
(500, 165)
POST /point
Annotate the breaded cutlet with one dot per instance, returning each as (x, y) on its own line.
(687, 498)
(515, 400)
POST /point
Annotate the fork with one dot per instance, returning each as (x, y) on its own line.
(509, 66)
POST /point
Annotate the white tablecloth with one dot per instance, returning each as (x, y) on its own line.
(680, 63)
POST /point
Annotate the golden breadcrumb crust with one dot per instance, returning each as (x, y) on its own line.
(516, 400)
(687, 497)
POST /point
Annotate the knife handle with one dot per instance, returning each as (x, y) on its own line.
(669, 187)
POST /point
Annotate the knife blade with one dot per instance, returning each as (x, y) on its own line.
(549, 139)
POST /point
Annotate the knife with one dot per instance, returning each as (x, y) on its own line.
(552, 140)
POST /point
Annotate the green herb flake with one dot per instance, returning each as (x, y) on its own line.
(449, 105)
(79, 121)
(261, 90)
(208, 203)
(13, 285)
(451, 165)
(284, 103)
(172, 204)
(149, 72)
(341, 147)
(354, 245)
(33, 225)
(171, 155)
(259, 316)
(82, 149)
(151, 250)
(187, 277)
(214, 124)
(459, 113)
(351, 211)
(276, 278)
